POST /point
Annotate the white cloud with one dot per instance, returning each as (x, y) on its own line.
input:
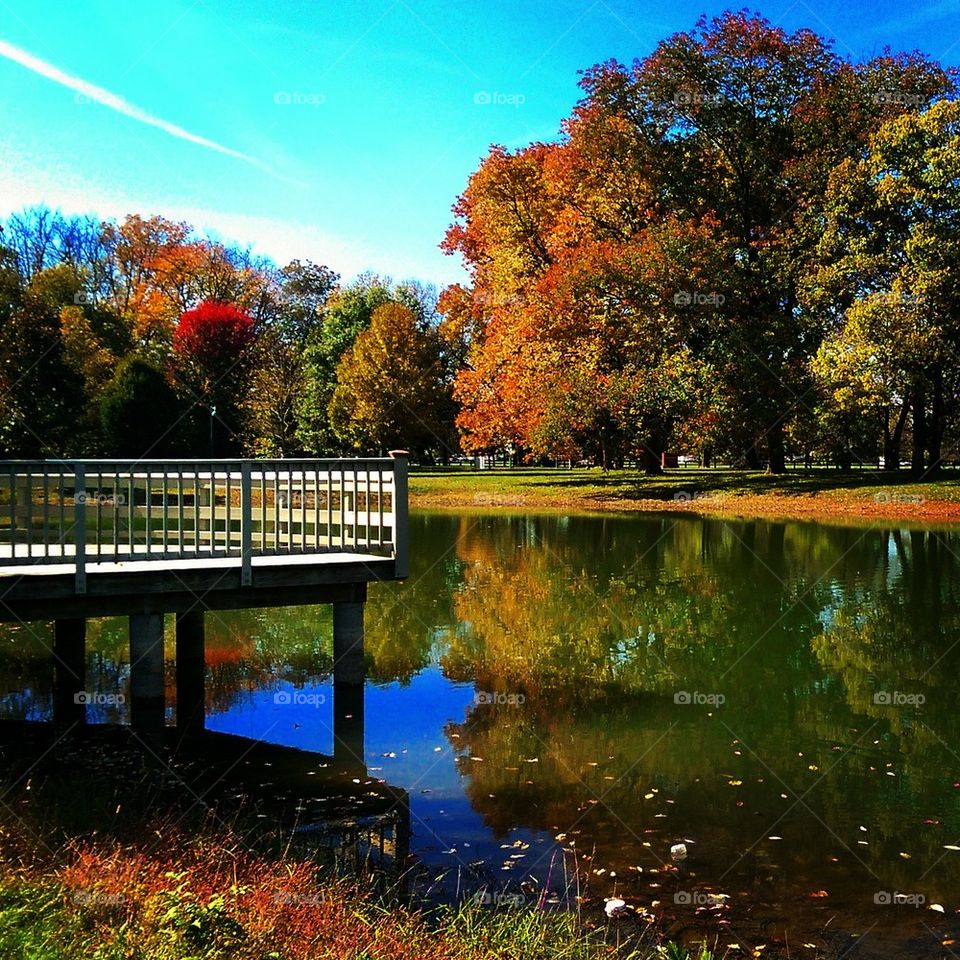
(91, 91)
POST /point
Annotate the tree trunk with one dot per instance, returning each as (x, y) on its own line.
(777, 462)
(935, 433)
(892, 441)
(650, 461)
(752, 458)
(706, 457)
(918, 403)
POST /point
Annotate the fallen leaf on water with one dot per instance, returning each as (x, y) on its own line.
(936, 906)
(648, 796)
(950, 846)
(817, 894)
(905, 856)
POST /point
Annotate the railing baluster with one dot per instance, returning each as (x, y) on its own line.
(166, 514)
(196, 508)
(180, 508)
(316, 508)
(80, 528)
(290, 510)
(303, 508)
(246, 521)
(13, 512)
(263, 509)
(228, 532)
(62, 515)
(276, 508)
(149, 495)
(132, 513)
(46, 512)
(343, 497)
(329, 507)
(29, 512)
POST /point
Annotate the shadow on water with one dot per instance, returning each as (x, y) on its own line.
(565, 697)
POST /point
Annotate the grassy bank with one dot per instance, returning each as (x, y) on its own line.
(811, 494)
(213, 902)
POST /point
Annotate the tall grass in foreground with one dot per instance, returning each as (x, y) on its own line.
(203, 901)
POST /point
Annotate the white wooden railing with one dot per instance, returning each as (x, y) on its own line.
(90, 512)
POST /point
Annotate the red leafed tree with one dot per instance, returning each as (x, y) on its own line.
(212, 346)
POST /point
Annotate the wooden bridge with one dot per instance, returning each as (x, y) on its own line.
(94, 538)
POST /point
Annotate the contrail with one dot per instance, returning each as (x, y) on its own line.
(114, 102)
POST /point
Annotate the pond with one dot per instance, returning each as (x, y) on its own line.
(748, 727)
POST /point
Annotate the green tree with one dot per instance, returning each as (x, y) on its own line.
(888, 266)
(391, 390)
(140, 414)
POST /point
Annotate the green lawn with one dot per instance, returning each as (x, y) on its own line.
(872, 489)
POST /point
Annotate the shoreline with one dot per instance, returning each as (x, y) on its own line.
(914, 503)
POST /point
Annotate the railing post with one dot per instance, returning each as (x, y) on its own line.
(401, 556)
(80, 525)
(246, 524)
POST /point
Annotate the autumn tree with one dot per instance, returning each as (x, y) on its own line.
(279, 379)
(390, 390)
(212, 345)
(888, 272)
(725, 134)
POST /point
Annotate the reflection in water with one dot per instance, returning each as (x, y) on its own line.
(779, 697)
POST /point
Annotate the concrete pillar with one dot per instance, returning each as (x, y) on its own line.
(146, 673)
(191, 690)
(69, 671)
(349, 674)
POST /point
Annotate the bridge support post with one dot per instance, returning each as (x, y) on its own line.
(69, 670)
(146, 673)
(349, 674)
(191, 690)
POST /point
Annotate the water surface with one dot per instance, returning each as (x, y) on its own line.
(567, 698)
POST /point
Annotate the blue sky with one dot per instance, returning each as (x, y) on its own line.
(343, 131)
